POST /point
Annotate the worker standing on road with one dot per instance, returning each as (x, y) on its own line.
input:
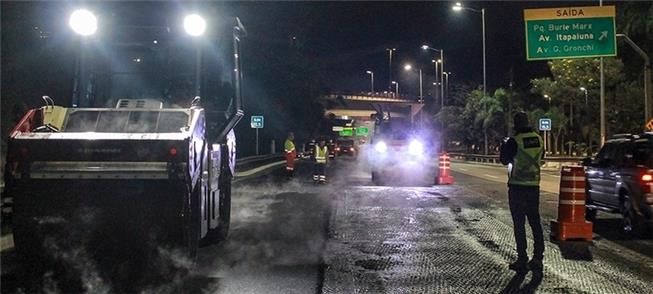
(523, 153)
(291, 154)
(321, 155)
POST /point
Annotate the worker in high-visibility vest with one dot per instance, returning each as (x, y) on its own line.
(291, 154)
(523, 154)
(321, 156)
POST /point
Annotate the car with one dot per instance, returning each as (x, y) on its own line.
(619, 180)
(332, 147)
(401, 154)
(346, 147)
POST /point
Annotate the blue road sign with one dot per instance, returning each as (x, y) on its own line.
(545, 124)
(257, 122)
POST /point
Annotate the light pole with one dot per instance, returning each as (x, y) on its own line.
(648, 88)
(84, 23)
(396, 88)
(446, 87)
(459, 7)
(390, 52)
(441, 61)
(195, 26)
(369, 72)
(409, 67)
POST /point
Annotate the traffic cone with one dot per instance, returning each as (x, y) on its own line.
(571, 222)
(444, 177)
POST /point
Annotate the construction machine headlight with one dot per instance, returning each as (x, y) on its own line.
(416, 148)
(381, 147)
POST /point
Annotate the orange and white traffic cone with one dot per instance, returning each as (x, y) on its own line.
(444, 165)
(571, 222)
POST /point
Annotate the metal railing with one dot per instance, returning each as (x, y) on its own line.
(550, 161)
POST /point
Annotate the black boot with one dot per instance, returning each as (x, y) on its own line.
(519, 266)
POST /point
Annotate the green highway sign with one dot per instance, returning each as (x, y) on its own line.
(362, 131)
(346, 132)
(572, 32)
(256, 122)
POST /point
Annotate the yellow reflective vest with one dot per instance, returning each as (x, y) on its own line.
(525, 169)
(289, 146)
(321, 154)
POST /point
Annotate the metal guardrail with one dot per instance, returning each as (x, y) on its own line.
(549, 161)
(253, 161)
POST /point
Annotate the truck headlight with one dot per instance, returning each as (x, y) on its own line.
(416, 148)
(381, 147)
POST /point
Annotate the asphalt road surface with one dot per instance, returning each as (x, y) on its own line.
(349, 236)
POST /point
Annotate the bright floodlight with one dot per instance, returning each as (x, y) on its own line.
(408, 67)
(394, 82)
(425, 47)
(416, 147)
(194, 25)
(369, 72)
(83, 22)
(457, 7)
(381, 147)
(583, 89)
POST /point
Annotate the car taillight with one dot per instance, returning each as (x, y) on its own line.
(647, 183)
(351, 149)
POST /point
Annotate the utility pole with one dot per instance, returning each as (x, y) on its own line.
(647, 77)
(602, 98)
(390, 52)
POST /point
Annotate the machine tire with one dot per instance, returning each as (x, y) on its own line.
(590, 214)
(630, 224)
(224, 211)
(192, 240)
(375, 179)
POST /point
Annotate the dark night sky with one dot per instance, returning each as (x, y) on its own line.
(347, 38)
(344, 39)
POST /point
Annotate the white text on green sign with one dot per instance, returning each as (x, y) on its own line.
(574, 32)
(257, 122)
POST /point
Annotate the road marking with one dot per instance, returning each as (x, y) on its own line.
(491, 176)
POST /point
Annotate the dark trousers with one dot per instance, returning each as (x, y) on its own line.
(525, 203)
(319, 172)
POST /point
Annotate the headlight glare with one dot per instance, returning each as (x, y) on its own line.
(381, 147)
(416, 147)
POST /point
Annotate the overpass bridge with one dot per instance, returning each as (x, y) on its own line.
(361, 106)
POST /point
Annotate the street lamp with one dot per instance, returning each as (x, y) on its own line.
(396, 88)
(441, 61)
(459, 7)
(409, 67)
(84, 23)
(390, 52)
(547, 97)
(584, 90)
(195, 25)
(369, 72)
